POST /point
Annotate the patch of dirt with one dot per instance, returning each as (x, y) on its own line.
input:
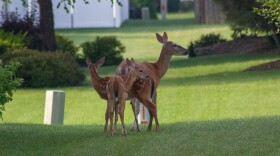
(274, 65)
(248, 45)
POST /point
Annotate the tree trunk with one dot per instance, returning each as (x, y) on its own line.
(47, 25)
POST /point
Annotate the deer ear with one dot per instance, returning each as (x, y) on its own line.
(165, 38)
(100, 62)
(88, 61)
(159, 38)
(128, 62)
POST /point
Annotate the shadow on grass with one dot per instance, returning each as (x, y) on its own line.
(222, 78)
(179, 62)
(254, 136)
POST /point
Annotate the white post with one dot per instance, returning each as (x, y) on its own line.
(143, 116)
(163, 9)
(54, 107)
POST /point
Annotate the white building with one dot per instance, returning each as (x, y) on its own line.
(93, 15)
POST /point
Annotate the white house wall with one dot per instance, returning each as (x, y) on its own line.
(62, 19)
(93, 15)
(16, 7)
(125, 10)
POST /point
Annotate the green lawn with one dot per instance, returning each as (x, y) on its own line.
(206, 105)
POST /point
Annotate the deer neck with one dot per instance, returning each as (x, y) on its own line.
(95, 78)
(130, 80)
(162, 63)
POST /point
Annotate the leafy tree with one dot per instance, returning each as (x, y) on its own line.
(8, 83)
(46, 19)
(271, 10)
(242, 19)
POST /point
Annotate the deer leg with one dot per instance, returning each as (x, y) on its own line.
(106, 118)
(111, 115)
(153, 114)
(116, 116)
(133, 102)
(122, 107)
(154, 98)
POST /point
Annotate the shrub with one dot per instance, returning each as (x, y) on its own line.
(8, 83)
(205, 40)
(10, 41)
(108, 47)
(12, 22)
(173, 5)
(65, 45)
(45, 69)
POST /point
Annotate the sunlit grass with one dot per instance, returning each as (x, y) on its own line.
(206, 105)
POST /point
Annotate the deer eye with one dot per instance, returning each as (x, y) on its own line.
(140, 70)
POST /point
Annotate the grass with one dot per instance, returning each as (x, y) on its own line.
(139, 37)
(206, 106)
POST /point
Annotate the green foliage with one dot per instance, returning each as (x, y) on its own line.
(151, 4)
(8, 84)
(65, 45)
(45, 69)
(173, 5)
(242, 19)
(205, 40)
(10, 41)
(270, 10)
(107, 46)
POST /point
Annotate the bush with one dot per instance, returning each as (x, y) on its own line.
(13, 23)
(173, 5)
(108, 47)
(10, 41)
(45, 69)
(65, 45)
(205, 40)
(8, 83)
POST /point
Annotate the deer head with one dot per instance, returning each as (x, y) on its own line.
(95, 66)
(171, 47)
(137, 71)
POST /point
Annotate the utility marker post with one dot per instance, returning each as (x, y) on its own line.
(143, 116)
(54, 107)
(163, 9)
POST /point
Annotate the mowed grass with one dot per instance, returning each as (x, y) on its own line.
(139, 36)
(206, 106)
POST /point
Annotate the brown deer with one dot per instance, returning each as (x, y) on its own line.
(100, 85)
(117, 93)
(158, 69)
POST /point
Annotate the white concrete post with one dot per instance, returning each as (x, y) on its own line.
(54, 107)
(143, 116)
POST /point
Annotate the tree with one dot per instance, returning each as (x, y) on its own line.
(242, 19)
(46, 19)
(8, 83)
(271, 10)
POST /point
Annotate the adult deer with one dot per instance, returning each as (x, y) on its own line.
(157, 69)
(118, 88)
